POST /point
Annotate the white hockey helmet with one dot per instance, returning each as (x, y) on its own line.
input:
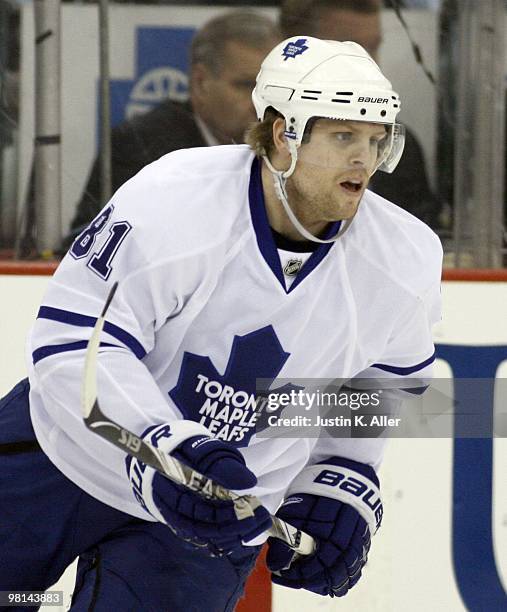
(305, 77)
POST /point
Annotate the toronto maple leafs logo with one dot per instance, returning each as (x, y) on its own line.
(228, 405)
(292, 49)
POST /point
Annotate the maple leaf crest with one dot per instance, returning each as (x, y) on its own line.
(228, 404)
(293, 49)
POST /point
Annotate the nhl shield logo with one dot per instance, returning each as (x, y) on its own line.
(292, 267)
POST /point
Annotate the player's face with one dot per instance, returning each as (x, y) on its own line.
(333, 169)
(224, 101)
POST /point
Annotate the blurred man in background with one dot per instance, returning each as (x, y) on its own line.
(360, 21)
(225, 57)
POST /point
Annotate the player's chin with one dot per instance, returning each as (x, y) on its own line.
(348, 208)
(348, 203)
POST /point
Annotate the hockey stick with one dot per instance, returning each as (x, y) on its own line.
(170, 467)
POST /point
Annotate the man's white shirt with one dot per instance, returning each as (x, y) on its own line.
(203, 304)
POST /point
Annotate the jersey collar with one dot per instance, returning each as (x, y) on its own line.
(265, 238)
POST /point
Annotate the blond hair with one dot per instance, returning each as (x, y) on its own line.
(259, 136)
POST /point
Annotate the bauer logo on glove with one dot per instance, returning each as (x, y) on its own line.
(369, 495)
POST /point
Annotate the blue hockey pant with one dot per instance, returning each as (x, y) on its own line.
(125, 563)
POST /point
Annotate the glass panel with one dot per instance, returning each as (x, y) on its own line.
(9, 110)
(416, 43)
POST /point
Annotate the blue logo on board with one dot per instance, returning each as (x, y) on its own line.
(160, 72)
(293, 49)
(475, 565)
(228, 405)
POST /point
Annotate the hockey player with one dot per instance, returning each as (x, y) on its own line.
(199, 242)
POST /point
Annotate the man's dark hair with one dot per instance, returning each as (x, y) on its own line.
(301, 16)
(244, 26)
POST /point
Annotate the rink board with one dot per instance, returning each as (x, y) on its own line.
(419, 558)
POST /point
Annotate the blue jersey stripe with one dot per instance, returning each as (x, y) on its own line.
(47, 351)
(260, 222)
(74, 318)
(404, 371)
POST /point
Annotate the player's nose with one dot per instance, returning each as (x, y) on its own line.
(361, 154)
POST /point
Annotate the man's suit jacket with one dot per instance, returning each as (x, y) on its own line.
(136, 143)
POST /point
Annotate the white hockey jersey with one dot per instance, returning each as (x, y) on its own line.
(203, 305)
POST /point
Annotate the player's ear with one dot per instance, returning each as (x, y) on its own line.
(279, 138)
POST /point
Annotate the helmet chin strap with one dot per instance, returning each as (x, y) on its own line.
(280, 181)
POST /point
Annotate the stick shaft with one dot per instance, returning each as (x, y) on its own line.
(169, 466)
